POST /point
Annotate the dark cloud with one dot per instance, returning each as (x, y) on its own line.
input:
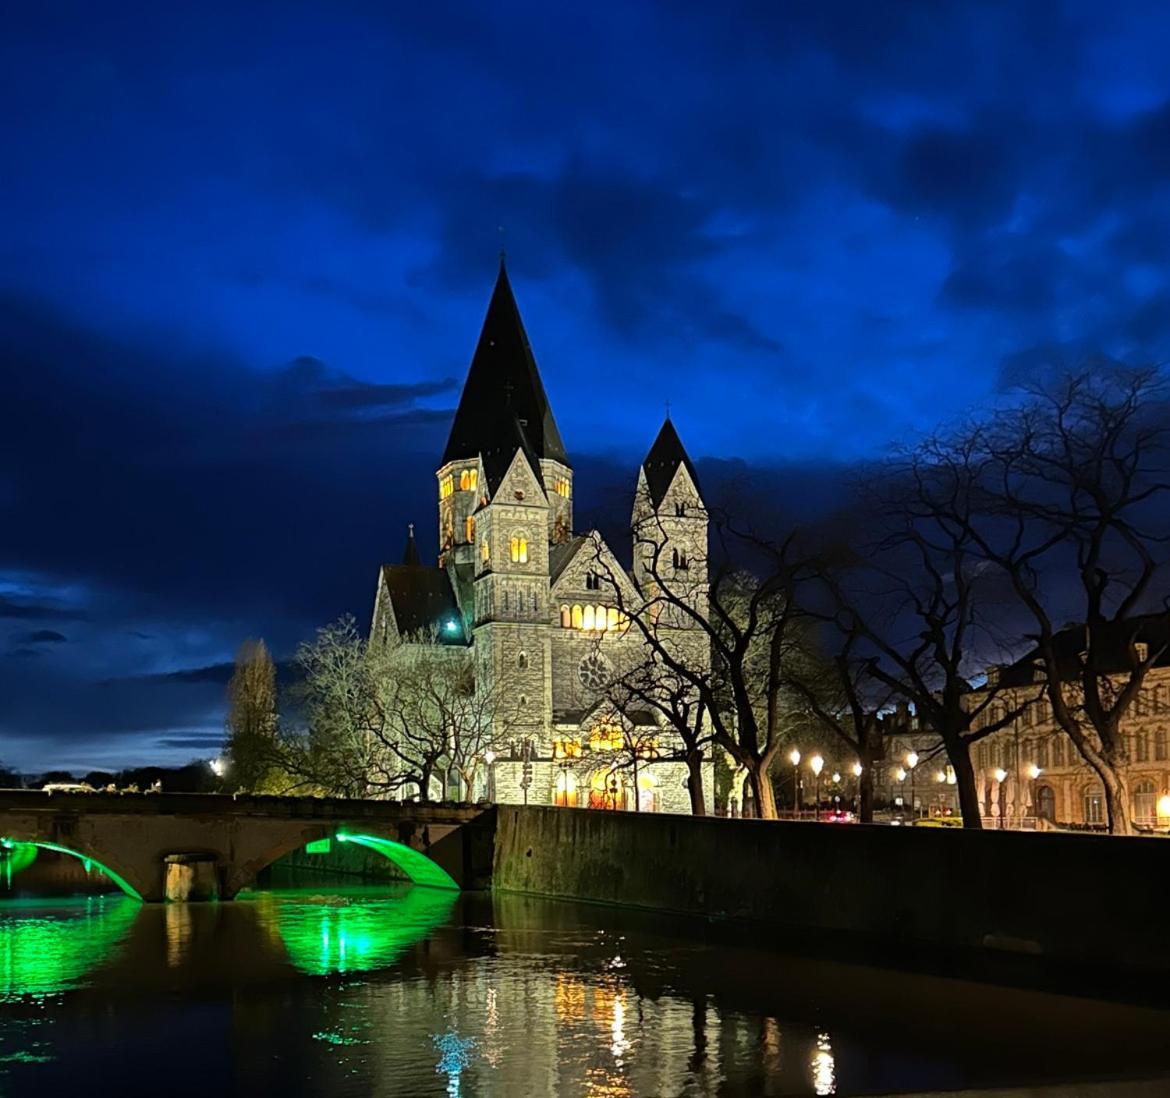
(41, 636)
(26, 610)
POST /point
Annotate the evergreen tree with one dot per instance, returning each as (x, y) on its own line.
(251, 718)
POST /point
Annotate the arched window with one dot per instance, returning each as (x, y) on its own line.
(1145, 800)
(522, 661)
(519, 549)
(1094, 798)
(588, 619)
(566, 790)
(578, 618)
(674, 557)
(1046, 803)
(600, 622)
(1160, 745)
(470, 529)
(465, 480)
(592, 581)
(613, 619)
(1042, 753)
(1142, 746)
(566, 618)
(680, 509)
(485, 552)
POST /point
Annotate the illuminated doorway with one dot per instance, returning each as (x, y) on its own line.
(609, 790)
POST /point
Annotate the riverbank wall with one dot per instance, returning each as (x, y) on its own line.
(1089, 900)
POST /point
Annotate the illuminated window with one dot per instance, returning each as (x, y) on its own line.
(565, 795)
(485, 552)
(587, 619)
(1142, 747)
(606, 737)
(470, 529)
(468, 480)
(446, 486)
(1094, 804)
(1143, 651)
(613, 617)
(1144, 802)
(578, 618)
(566, 618)
(561, 486)
(566, 749)
(519, 549)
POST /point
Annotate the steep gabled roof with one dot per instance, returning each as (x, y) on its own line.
(500, 448)
(665, 456)
(422, 599)
(1114, 649)
(503, 384)
(560, 556)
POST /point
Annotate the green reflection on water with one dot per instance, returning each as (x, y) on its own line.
(351, 932)
(44, 951)
(15, 857)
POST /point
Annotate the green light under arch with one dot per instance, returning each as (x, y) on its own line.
(418, 867)
(120, 881)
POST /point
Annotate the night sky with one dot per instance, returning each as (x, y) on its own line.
(246, 255)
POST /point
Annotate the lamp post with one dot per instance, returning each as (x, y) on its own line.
(858, 770)
(1000, 776)
(794, 758)
(489, 757)
(911, 763)
(816, 763)
(1034, 772)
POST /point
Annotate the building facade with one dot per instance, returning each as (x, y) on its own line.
(543, 612)
(1031, 770)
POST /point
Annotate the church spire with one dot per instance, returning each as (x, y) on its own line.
(503, 388)
(410, 553)
(663, 460)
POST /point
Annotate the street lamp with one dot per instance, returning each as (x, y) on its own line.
(489, 757)
(912, 762)
(817, 764)
(858, 770)
(1000, 775)
(794, 758)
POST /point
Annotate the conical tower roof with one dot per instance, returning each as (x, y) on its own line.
(663, 460)
(410, 553)
(502, 386)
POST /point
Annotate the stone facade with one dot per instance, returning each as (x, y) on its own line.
(544, 612)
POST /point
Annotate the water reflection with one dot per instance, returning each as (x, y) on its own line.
(351, 930)
(409, 991)
(45, 950)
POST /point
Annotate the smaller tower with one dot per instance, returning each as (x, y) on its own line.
(670, 525)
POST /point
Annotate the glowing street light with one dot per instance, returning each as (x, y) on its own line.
(1034, 771)
(218, 767)
(817, 764)
(794, 758)
(857, 769)
(912, 762)
(1000, 774)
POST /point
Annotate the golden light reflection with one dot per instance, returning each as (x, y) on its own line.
(569, 999)
(824, 1067)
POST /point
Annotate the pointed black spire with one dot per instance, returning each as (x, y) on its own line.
(410, 553)
(503, 385)
(665, 456)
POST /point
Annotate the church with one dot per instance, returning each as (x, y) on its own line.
(543, 612)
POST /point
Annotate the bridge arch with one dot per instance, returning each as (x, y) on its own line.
(101, 863)
(420, 868)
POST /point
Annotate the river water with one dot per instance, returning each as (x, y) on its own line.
(393, 990)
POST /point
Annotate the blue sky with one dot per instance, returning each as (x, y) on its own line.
(247, 251)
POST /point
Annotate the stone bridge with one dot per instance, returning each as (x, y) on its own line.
(199, 846)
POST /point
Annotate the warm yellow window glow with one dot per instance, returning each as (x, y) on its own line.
(447, 486)
(470, 531)
(485, 551)
(566, 790)
(612, 617)
(588, 618)
(519, 550)
(561, 487)
(606, 737)
(468, 479)
(566, 749)
(578, 618)
(566, 618)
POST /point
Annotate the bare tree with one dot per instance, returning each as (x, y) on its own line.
(392, 720)
(918, 609)
(1070, 512)
(252, 718)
